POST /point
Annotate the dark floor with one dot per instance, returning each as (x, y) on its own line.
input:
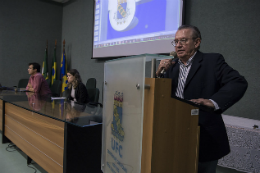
(14, 160)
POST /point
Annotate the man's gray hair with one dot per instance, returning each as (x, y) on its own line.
(195, 31)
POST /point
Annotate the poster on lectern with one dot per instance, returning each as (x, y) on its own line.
(123, 115)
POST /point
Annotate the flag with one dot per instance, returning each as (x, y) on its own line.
(63, 72)
(45, 65)
(54, 66)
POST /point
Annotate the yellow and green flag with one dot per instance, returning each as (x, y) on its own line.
(45, 65)
(63, 72)
(54, 66)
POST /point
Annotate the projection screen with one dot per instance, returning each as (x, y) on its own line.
(133, 27)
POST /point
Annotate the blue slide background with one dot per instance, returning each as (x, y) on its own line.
(151, 13)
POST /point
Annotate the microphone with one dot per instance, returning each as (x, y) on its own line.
(174, 54)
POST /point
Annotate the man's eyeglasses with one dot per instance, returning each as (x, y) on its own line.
(182, 42)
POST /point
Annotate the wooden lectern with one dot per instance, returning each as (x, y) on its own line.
(170, 133)
(145, 130)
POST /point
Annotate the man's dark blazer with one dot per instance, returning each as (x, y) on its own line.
(210, 77)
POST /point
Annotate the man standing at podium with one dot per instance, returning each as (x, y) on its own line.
(205, 79)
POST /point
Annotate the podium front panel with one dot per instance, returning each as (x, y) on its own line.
(123, 114)
(124, 83)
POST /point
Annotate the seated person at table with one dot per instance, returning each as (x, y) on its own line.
(37, 83)
(76, 89)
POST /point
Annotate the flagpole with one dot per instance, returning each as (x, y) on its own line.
(63, 70)
(63, 51)
(45, 63)
(63, 46)
(54, 65)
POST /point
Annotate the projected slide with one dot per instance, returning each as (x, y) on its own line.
(124, 22)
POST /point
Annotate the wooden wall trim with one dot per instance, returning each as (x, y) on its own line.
(33, 152)
(47, 127)
(41, 138)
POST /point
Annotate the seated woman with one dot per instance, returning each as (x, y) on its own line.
(76, 89)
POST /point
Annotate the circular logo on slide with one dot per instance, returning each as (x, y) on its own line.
(122, 14)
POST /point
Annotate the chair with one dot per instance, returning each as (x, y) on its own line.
(64, 94)
(22, 83)
(56, 88)
(48, 82)
(93, 94)
(91, 83)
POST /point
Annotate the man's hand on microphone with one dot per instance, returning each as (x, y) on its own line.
(164, 64)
